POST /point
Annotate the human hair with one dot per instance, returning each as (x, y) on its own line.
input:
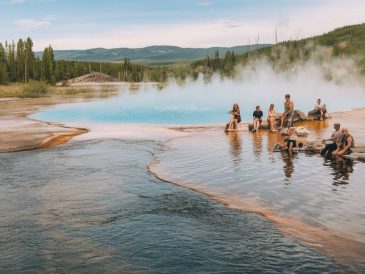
(287, 96)
(271, 108)
(236, 107)
(337, 125)
(291, 130)
(257, 107)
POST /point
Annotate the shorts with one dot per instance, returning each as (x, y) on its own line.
(349, 151)
(291, 141)
(290, 115)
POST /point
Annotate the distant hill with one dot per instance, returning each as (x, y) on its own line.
(347, 42)
(153, 55)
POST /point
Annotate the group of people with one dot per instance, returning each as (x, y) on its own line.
(286, 118)
(340, 142)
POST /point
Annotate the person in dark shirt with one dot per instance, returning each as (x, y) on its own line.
(257, 119)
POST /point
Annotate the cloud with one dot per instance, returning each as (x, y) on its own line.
(204, 3)
(292, 22)
(12, 2)
(33, 23)
(15, 2)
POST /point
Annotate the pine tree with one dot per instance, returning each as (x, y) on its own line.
(11, 65)
(20, 60)
(48, 66)
(29, 56)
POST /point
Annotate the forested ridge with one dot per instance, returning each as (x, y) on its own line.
(18, 62)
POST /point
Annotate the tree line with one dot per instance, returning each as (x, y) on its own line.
(18, 63)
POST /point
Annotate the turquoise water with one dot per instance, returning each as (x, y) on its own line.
(200, 103)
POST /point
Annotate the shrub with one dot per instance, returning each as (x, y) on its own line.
(35, 89)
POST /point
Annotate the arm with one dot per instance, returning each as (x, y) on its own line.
(349, 142)
(291, 107)
(333, 138)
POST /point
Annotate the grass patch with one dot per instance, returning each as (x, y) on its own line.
(11, 90)
(71, 91)
(35, 89)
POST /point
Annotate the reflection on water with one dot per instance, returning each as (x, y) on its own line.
(288, 164)
(257, 144)
(92, 207)
(236, 145)
(341, 169)
(241, 166)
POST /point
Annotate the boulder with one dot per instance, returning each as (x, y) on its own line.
(299, 116)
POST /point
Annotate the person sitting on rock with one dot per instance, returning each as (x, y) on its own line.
(334, 141)
(290, 142)
(347, 142)
(288, 114)
(257, 119)
(271, 119)
(320, 110)
(235, 118)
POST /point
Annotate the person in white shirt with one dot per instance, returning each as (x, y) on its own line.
(333, 142)
(320, 109)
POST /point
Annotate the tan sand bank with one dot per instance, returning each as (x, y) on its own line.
(17, 132)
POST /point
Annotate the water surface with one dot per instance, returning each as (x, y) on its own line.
(94, 207)
(201, 103)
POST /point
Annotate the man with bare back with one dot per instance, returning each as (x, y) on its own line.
(288, 115)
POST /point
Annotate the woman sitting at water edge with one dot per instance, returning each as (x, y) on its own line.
(271, 119)
(235, 118)
(290, 142)
(347, 142)
(257, 115)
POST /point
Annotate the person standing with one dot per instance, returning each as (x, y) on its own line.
(334, 141)
(288, 114)
(257, 118)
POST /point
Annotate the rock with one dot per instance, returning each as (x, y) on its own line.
(355, 156)
(299, 116)
(227, 126)
(263, 126)
(94, 77)
(360, 149)
(301, 131)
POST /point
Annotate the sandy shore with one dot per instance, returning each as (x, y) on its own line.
(18, 132)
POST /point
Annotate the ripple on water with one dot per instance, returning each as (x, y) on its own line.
(93, 207)
(240, 168)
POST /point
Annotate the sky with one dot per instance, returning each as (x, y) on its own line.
(82, 24)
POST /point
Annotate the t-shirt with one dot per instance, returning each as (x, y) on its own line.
(258, 114)
(318, 106)
(293, 137)
(338, 134)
